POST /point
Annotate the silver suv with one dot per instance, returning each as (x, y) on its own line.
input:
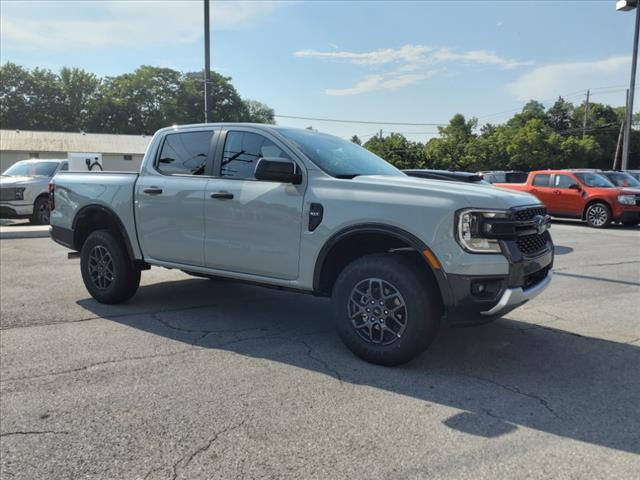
(314, 213)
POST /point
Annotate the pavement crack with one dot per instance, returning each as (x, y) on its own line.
(34, 432)
(318, 360)
(516, 390)
(96, 364)
(185, 460)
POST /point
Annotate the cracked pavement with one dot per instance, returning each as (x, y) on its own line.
(215, 380)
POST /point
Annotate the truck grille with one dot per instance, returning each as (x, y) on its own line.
(529, 213)
(532, 243)
(7, 194)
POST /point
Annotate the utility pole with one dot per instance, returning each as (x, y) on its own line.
(629, 112)
(380, 134)
(586, 115)
(207, 66)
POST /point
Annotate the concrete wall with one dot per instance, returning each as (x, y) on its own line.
(110, 161)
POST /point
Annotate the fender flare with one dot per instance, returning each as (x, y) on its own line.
(379, 228)
(94, 207)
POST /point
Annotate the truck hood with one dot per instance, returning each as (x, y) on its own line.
(11, 181)
(476, 195)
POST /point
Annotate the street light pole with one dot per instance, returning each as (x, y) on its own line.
(626, 5)
(207, 66)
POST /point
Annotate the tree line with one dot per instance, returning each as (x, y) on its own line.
(150, 98)
(534, 138)
(141, 102)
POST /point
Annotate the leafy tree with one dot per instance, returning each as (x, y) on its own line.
(355, 139)
(559, 115)
(258, 112)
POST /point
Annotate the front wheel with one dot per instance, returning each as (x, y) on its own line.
(40, 214)
(387, 311)
(108, 273)
(598, 215)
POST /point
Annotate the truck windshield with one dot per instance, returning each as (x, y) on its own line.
(622, 179)
(594, 180)
(337, 157)
(31, 169)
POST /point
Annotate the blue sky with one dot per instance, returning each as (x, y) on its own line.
(414, 62)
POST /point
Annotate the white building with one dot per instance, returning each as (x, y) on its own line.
(119, 152)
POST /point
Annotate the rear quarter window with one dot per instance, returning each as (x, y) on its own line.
(541, 180)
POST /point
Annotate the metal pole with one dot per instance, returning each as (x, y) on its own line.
(207, 66)
(586, 115)
(627, 126)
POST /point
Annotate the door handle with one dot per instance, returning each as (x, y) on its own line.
(222, 195)
(152, 191)
(557, 192)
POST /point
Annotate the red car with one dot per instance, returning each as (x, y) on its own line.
(584, 194)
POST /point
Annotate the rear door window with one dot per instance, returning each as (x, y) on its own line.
(185, 153)
(541, 180)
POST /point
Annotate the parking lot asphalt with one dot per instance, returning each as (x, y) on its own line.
(195, 378)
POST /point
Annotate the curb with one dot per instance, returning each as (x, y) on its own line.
(24, 232)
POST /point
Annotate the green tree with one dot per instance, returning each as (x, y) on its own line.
(355, 139)
(559, 115)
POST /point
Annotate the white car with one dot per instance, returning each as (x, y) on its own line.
(24, 189)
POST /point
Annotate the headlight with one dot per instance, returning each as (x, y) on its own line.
(19, 193)
(470, 231)
(627, 199)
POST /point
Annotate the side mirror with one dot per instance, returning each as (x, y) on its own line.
(277, 170)
(574, 186)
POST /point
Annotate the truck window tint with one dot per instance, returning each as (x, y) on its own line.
(564, 181)
(541, 180)
(185, 153)
(242, 150)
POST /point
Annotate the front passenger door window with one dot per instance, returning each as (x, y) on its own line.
(242, 150)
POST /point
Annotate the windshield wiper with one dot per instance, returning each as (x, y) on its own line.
(347, 175)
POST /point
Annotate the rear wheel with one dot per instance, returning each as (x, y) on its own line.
(598, 215)
(108, 273)
(40, 214)
(386, 309)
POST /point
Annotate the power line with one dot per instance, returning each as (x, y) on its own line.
(364, 122)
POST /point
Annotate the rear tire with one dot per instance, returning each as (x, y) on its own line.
(386, 309)
(40, 215)
(108, 272)
(598, 215)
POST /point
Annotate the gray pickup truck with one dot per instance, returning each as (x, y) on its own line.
(310, 212)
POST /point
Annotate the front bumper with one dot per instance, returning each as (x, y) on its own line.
(15, 210)
(529, 275)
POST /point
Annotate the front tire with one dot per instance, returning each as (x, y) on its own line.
(598, 215)
(387, 310)
(40, 215)
(108, 273)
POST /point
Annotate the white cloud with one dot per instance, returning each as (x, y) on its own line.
(412, 54)
(407, 53)
(388, 81)
(552, 80)
(482, 57)
(408, 58)
(62, 25)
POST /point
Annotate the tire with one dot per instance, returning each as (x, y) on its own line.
(107, 271)
(40, 215)
(630, 223)
(404, 282)
(598, 215)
